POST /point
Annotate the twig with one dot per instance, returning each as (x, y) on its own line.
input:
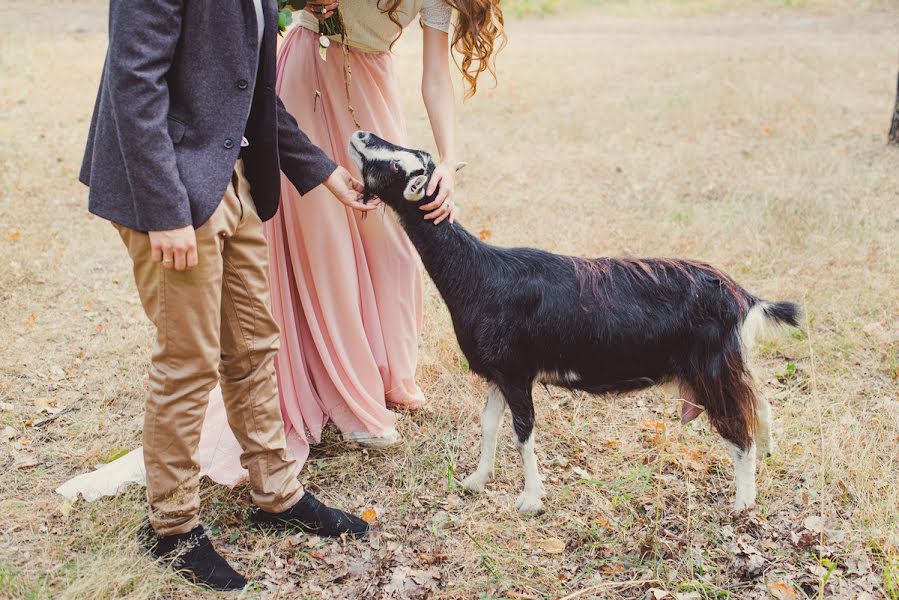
(52, 418)
(611, 584)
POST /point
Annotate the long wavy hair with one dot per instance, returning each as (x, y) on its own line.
(477, 36)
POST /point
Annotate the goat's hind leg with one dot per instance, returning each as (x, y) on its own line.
(744, 475)
(491, 419)
(763, 437)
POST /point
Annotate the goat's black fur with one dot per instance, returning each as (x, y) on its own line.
(598, 325)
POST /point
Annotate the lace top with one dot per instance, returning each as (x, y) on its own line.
(368, 29)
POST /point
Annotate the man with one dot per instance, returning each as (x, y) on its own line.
(183, 156)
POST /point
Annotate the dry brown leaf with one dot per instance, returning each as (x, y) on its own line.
(484, 234)
(654, 426)
(551, 545)
(30, 321)
(14, 235)
(782, 591)
(369, 515)
(814, 523)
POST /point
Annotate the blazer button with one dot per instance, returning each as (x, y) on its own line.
(242, 84)
(229, 143)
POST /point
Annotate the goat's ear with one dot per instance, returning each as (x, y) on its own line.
(460, 166)
(415, 189)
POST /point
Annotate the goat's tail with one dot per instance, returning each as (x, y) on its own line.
(764, 316)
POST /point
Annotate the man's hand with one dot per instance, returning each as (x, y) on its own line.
(175, 249)
(348, 190)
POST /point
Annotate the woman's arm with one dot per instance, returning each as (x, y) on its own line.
(437, 92)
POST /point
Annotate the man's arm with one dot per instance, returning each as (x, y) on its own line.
(307, 166)
(142, 40)
(304, 163)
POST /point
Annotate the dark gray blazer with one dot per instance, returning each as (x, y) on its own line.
(173, 106)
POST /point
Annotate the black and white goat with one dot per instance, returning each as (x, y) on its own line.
(600, 325)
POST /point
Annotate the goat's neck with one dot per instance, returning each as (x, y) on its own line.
(449, 253)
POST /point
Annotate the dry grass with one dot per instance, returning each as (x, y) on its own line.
(751, 138)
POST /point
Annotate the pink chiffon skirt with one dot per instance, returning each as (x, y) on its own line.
(346, 291)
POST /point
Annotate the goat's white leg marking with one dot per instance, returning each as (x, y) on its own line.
(744, 474)
(491, 418)
(764, 439)
(529, 502)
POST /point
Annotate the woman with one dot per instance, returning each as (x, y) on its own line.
(347, 291)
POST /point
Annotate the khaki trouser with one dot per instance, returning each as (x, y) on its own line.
(213, 323)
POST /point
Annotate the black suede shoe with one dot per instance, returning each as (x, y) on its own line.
(311, 515)
(193, 556)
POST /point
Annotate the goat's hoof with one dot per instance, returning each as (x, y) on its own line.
(529, 504)
(742, 505)
(475, 483)
(764, 451)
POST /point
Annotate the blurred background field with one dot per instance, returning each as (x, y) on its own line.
(748, 134)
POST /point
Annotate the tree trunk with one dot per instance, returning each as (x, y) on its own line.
(893, 138)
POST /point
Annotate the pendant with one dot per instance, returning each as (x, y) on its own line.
(323, 43)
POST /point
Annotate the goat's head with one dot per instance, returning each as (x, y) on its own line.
(394, 174)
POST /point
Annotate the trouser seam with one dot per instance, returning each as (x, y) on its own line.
(250, 347)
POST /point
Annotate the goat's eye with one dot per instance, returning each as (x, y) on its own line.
(395, 166)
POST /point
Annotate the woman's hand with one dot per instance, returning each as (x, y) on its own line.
(315, 7)
(442, 206)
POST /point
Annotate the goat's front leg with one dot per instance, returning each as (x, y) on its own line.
(522, 406)
(491, 419)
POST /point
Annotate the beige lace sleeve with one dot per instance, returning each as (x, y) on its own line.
(436, 14)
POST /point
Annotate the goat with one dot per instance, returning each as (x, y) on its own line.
(601, 325)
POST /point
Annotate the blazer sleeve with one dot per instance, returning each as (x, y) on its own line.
(304, 163)
(142, 40)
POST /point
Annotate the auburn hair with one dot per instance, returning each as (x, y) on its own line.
(478, 36)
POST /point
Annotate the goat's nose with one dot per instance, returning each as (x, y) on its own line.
(362, 135)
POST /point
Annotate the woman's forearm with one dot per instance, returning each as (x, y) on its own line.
(437, 93)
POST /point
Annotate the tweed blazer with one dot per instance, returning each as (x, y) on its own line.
(182, 84)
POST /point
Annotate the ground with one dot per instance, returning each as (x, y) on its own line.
(748, 135)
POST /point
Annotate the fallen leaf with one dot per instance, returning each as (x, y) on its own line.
(14, 235)
(657, 594)
(654, 426)
(814, 523)
(603, 522)
(484, 234)
(369, 516)
(582, 473)
(30, 321)
(781, 591)
(24, 441)
(551, 545)
(612, 568)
